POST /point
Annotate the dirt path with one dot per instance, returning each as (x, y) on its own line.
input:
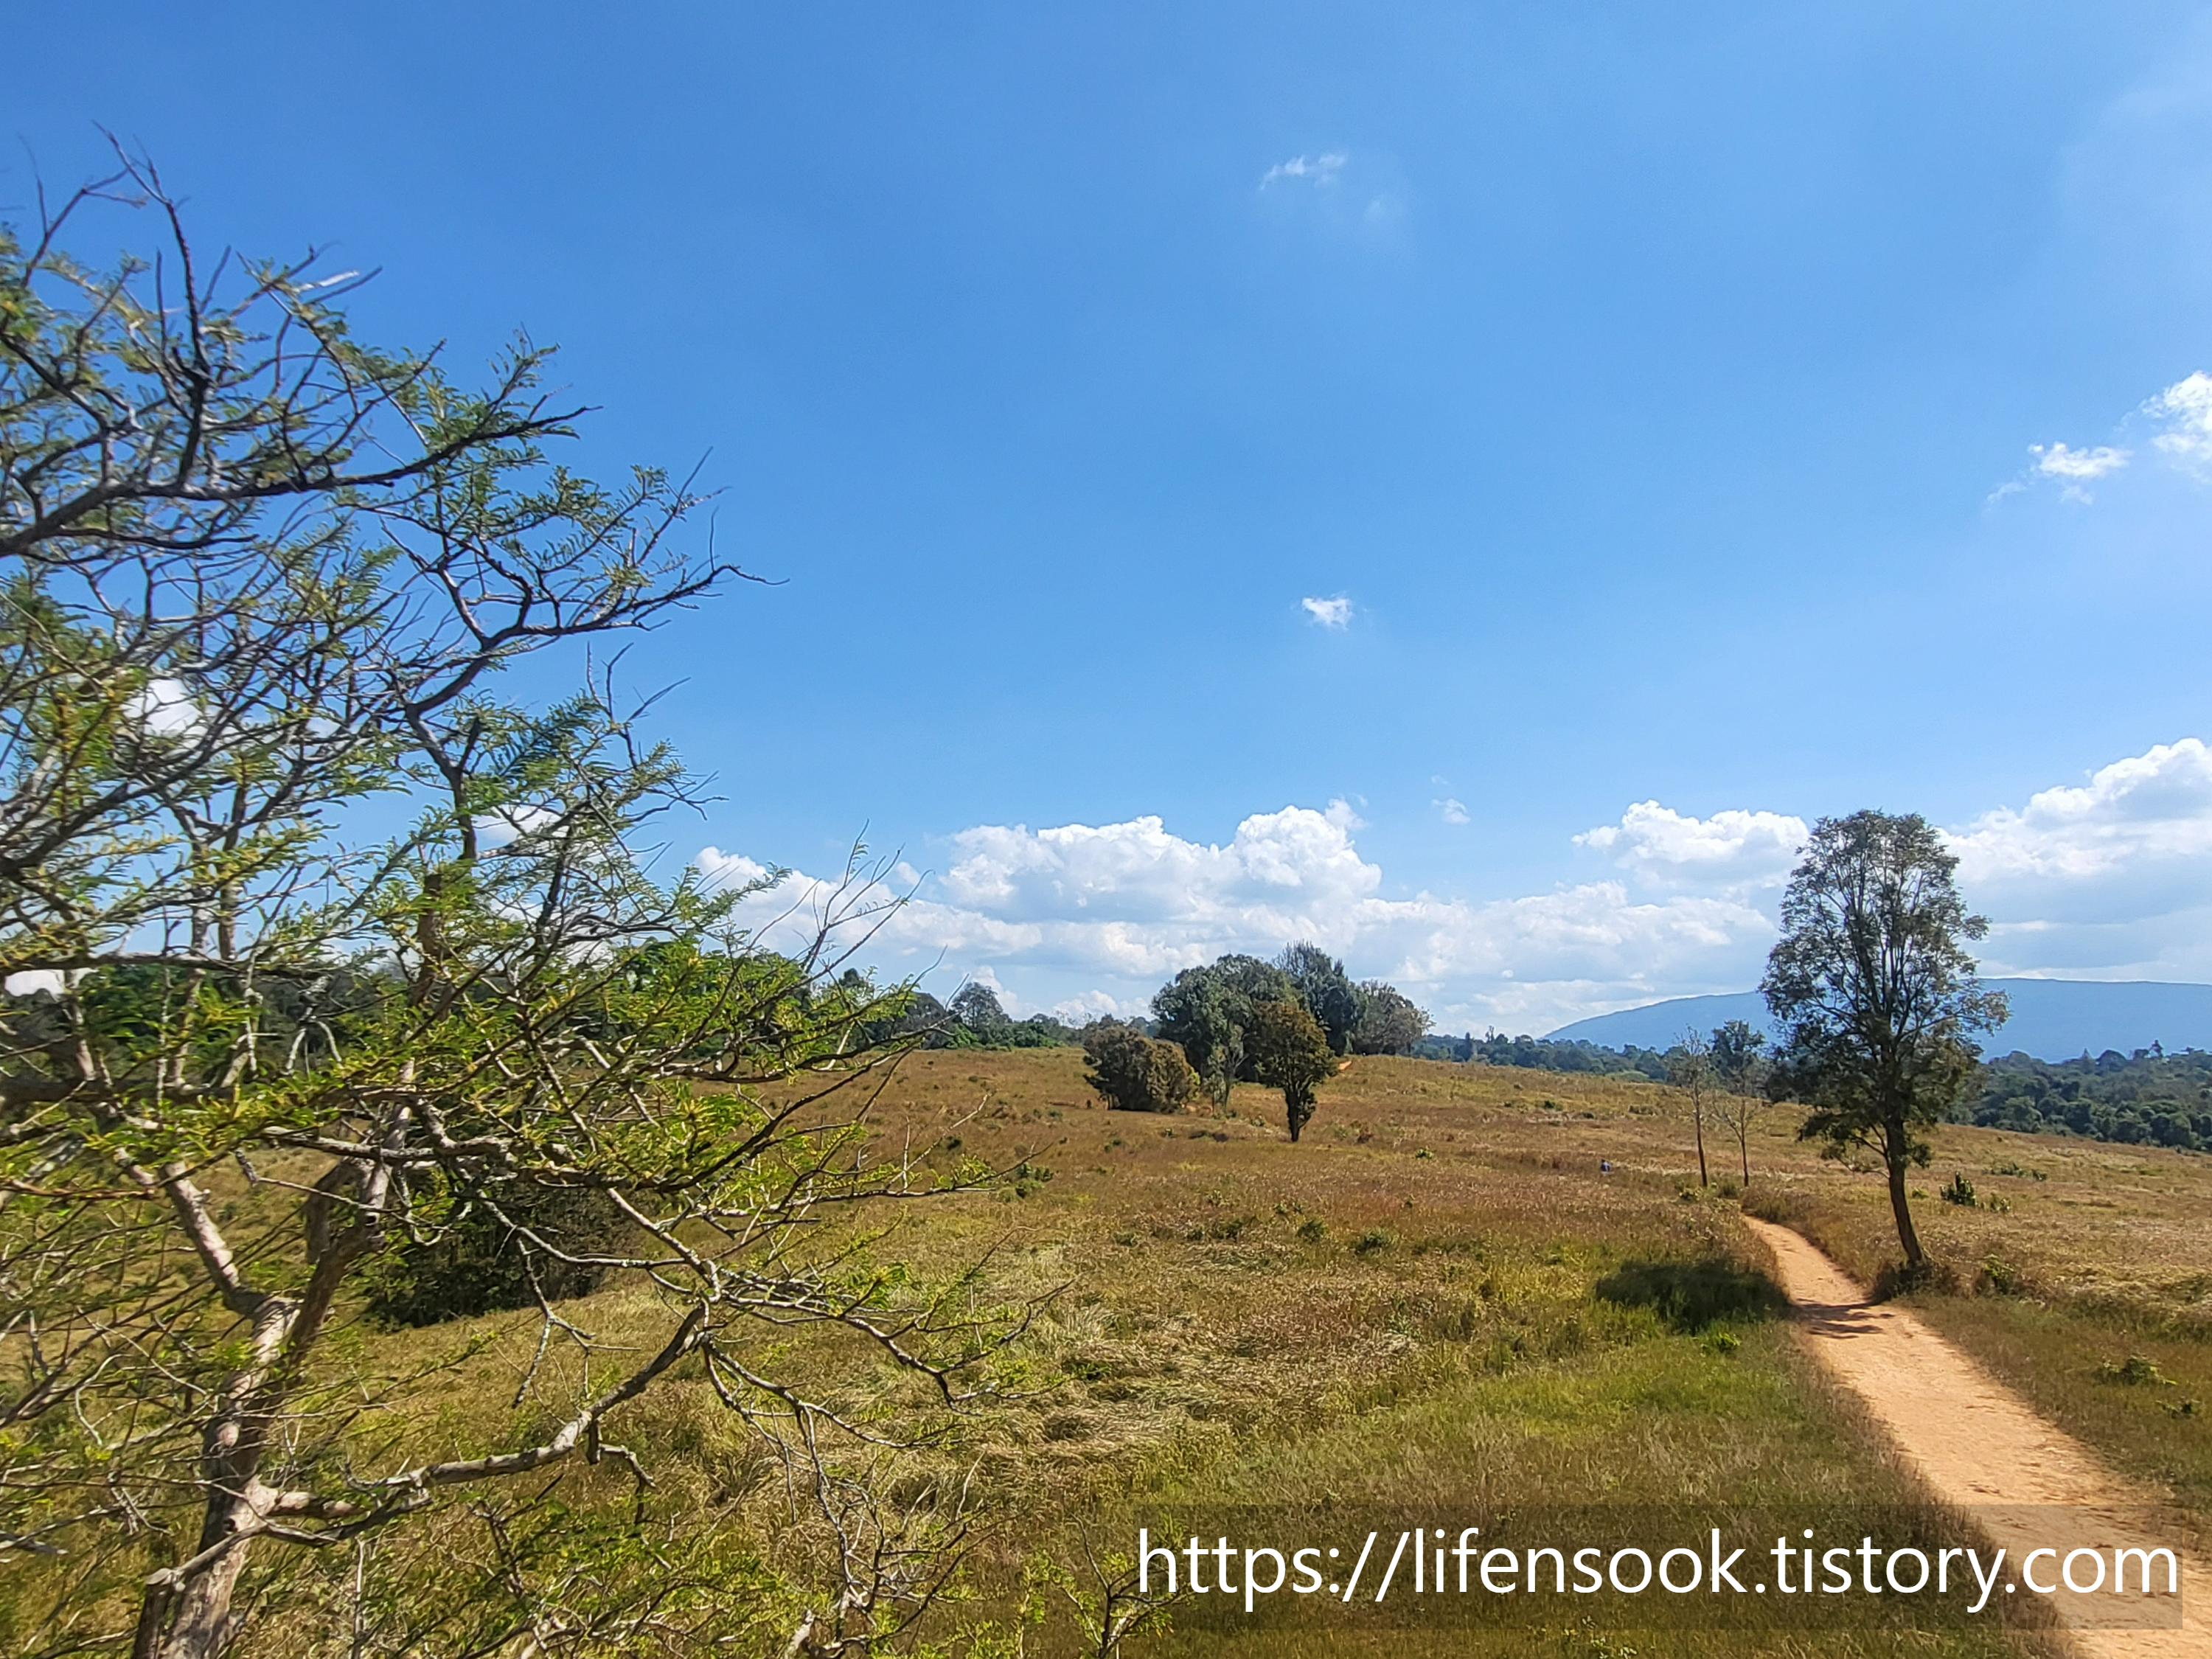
(1979, 1446)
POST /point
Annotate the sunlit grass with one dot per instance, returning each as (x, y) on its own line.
(1403, 1310)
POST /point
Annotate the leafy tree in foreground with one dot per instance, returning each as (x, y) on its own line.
(1874, 994)
(1134, 1072)
(1388, 1022)
(1291, 1052)
(261, 585)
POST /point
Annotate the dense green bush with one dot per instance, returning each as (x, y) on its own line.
(1689, 1296)
(1134, 1072)
(477, 1263)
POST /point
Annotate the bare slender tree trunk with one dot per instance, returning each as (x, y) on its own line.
(1698, 1117)
(204, 1624)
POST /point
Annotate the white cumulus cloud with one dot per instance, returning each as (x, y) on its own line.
(1733, 851)
(1329, 613)
(166, 708)
(2150, 807)
(2110, 878)
(1106, 912)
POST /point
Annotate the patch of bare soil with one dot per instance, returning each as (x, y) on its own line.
(1978, 1446)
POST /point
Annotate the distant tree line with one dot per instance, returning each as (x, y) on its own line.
(1547, 1055)
(975, 1019)
(2148, 1098)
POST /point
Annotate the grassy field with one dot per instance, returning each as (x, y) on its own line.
(1364, 1364)
(1439, 1306)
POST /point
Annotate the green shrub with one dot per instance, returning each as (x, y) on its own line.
(1691, 1295)
(1136, 1073)
(1999, 1278)
(2136, 1371)
(475, 1263)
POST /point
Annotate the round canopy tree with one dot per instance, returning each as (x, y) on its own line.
(1874, 996)
(1291, 1052)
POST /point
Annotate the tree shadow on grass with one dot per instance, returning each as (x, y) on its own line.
(1690, 1295)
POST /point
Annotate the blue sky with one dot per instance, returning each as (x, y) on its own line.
(1659, 389)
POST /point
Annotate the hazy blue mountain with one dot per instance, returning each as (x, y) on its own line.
(2052, 1019)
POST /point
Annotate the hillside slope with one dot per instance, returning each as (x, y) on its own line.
(2052, 1019)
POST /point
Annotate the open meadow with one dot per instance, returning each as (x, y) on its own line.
(1439, 1304)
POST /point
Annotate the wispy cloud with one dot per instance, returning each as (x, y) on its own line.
(1329, 613)
(1451, 810)
(2182, 414)
(1319, 171)
(2185, 407)
(2074, 468)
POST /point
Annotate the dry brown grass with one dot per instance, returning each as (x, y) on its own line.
(1400, 1311)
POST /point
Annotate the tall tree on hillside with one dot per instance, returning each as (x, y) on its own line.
(1208, 1013)
(1874, 995)
(1739, 1061)
(336, 956)
(978, 1009)
(1322, 984)
(1291, 1052)
(1689, 1069)
(1390, 1022)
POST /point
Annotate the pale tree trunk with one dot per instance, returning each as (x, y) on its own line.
(186, 1612)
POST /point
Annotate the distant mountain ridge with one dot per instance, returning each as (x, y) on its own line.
(2052, 1020)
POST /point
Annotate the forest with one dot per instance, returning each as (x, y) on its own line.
(2148, 1098)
